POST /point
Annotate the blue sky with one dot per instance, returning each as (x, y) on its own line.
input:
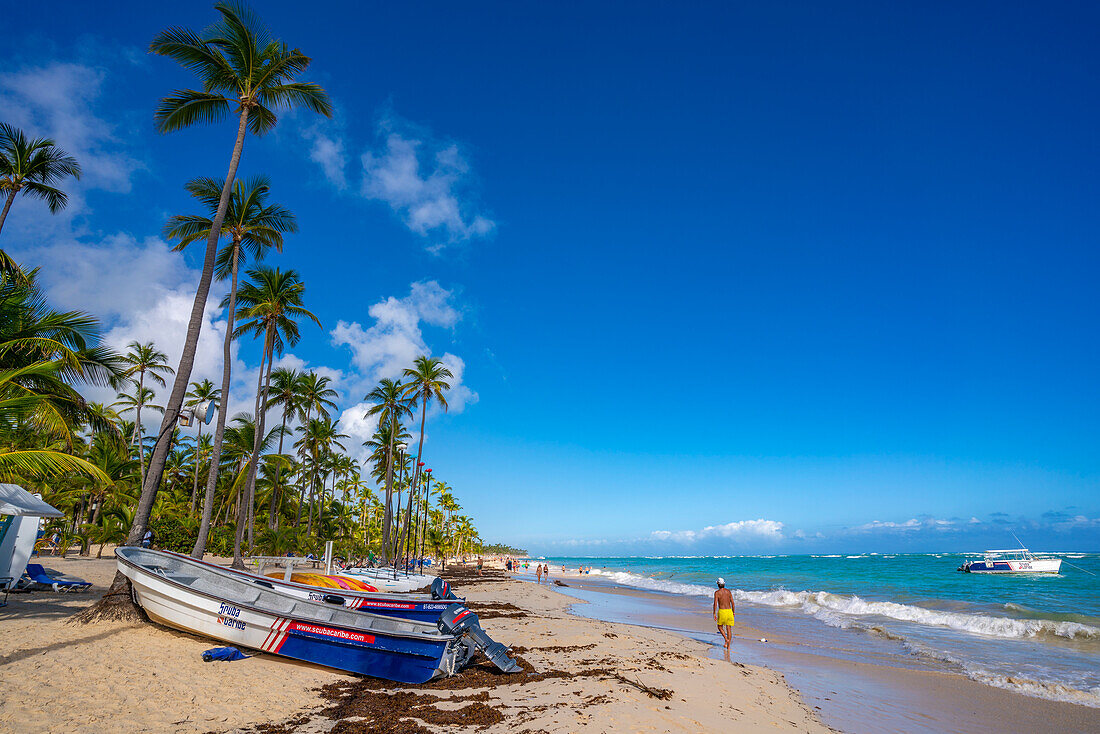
(719, 278)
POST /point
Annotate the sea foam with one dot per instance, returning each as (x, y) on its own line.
(843, 611)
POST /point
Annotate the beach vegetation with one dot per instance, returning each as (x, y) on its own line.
(281, 479)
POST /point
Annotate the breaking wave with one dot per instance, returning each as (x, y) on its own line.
(843, 611)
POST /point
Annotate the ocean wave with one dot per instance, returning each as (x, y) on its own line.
(1050, 690)
(841, 611)
(1039, 689)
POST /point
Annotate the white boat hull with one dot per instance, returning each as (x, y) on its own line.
(385, 581)
(1043, 565)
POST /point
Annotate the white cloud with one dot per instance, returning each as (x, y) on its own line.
(391, 343)
(58, 101)
(909, 526)
(739, 530)
(355, 422)
(327, 150)
(395, 339)
(426, 182)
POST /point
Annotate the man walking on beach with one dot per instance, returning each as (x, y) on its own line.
(723, 612)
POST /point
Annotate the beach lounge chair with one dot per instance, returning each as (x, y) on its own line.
(37, 574)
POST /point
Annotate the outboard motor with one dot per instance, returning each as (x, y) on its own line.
(461, 621)
(442, 590)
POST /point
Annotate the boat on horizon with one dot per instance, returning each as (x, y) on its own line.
(188, 595)
(1013, 560)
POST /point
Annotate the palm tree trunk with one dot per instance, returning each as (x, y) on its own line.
(187, 359)
(198, 466)
(138, 430)
(278, 477)
(420, 448)
(7, 206)
(246, 507)
(389, 491)
(223, 403)
(118, 596)
(261, 414)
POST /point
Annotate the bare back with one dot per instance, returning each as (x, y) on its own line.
(724, 599)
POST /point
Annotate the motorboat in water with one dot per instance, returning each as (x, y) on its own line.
(1015, 560)
(426, 607)
(188, 595)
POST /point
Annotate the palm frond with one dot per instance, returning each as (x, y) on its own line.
(44, 463)
(186, 107)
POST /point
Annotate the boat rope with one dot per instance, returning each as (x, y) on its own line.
(1090, 573)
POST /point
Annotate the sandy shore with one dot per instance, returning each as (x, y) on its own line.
(581, 675)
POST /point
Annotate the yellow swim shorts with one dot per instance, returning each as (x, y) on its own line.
(725, 617)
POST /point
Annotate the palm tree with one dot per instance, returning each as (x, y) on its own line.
(34, 167)
(237, 62)
(284, 387)
(142, 398)
(31, 332)
(240, 437)
(252, 227)
(35, 397)
(427, 381)
(390, 404)
(319, 435)
(199, 394)
(314, 395)
(270, 305)
(142, 360)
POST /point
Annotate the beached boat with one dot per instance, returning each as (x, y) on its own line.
(1015, 560)
(182, 593)
(425, 607)
(387, 579)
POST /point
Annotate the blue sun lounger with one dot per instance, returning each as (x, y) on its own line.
(37, 574)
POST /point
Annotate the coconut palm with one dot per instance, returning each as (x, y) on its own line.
(35, 167)
(30, 397)
(390, 404)
(238, 63)
(426, 381)
(126, 403)
(270, 307)
(144, 360)
(31, 332)
(314, 395)
(319, 435)
(200, 394)
(252, 226)
(284, 394)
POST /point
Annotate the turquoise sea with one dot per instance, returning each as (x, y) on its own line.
(1038, 635)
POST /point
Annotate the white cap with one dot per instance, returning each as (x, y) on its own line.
(721, 582)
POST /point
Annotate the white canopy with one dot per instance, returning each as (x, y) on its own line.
(14, 500)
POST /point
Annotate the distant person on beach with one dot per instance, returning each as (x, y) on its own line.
(480, 563)
(723, 611)
(538, 572)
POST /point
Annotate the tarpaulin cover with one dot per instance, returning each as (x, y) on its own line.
(14, 500)
(223, 653)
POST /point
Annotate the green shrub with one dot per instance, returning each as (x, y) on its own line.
(170, 534)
